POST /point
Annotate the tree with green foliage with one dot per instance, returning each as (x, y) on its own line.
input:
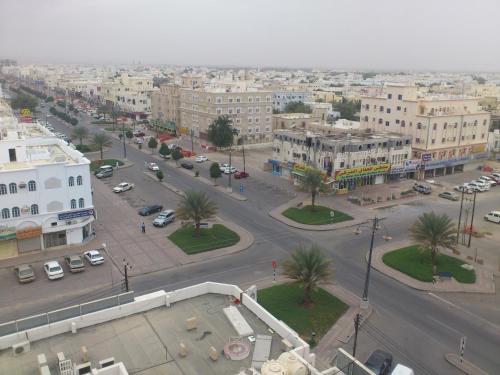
(101, 140)
(369, 75)
(80, 132)
(312, 182)
(297, 107)
(159, 175)
(49, 99)
(196, 206)
(152, 144)
(129, 134)
(309, 267)
(349, 109)
(164, 150)
(220, 132)
(215, 172)
(73, 121)
(23, 101)
(433, 231)
(177, 155)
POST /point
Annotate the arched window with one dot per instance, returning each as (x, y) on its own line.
(3, 189)
(16, 212)
(81, 203)
(73, 203)
(31, 185)
(79, 180)
(13, 188)
(71, 181)
(34, 209)
(5, 213)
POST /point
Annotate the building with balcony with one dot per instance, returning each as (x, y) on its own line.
(281, 98)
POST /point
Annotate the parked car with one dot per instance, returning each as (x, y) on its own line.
(480, 185)
(494, 178)
(152, 166)
(53, 270)
(123, 186)
(75, 263)
(139, 133)
(169, 156)
(465, 188)
(173, 146)
(187, 165)
(488, 180)
(495, 174)
(94, 257)
(24, 273)
(103, 168)
(201, 158)
(227, 169)
(424, 189)
(380, 362)
(148, 210)
(164, 218)
(493, 216)
(139, 141)
(241, 174)
(104, 173)
(448, 195)
(402, 370)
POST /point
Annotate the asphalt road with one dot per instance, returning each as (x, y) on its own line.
(417, 327)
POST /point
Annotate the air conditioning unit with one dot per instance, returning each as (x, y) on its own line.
(22, 185)
(20, 348)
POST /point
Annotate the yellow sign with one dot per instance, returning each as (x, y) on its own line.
(25, 112)
(28, 233)
(478, 148)
(362, 171)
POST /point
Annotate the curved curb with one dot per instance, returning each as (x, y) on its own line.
(464, 365)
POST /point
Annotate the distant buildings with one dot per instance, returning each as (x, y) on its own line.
(281, 98)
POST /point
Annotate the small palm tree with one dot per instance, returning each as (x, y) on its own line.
(432, 231)
(101, 140)
(309, 267)
(80, 132)
(312, 182)
(196, 206)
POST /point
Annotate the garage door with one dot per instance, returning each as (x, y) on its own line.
(8, 249)
(29, 244)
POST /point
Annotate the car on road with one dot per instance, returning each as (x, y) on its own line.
(465, 188)
(241, 174)
(152, 166)
(53, 270)
(104, 173)
(424, 189)
(75, 263)
(201, 159)
(493, 216)
(104, 168)
(139, 133)
(480, 185)
(139, 141)
(148, 210)
(448, 195)
(94, 257)
(402, 370)
(380, 362)
(187, 165)
(488, 180)
(227, 169)
(164, 218)
(173, 146)
(123, 186)
(24, 273)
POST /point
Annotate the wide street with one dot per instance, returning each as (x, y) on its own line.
(417, 327)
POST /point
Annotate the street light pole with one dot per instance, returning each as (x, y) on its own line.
(230, 188)
(123, 136)
(369, 265)
(192, 143)
(472, 219)
(460, 214)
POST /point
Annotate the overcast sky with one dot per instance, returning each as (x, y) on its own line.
(342, 34)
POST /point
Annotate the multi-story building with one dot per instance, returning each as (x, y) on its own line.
(281, 98)
(45, 189)
(447, 131)
(349, 160)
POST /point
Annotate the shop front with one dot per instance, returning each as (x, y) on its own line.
(8, 243)
(434, 168)
(352, 178)
(29, 239)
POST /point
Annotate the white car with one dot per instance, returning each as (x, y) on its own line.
(201, 158)
(123, 186)
(488, 180)
(152, 166)
(465, 188)
(227, 169)
(53, 270)
(478, 186)
(94, 257)
(485, 185)
(493, 216)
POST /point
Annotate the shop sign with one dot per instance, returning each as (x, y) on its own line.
(28, 233)
(446, 163)
(478, 148)
(362, 171)
(7, 233)
(412, 165)
(397, 170)
(75, 214)
(301, 169)
(426, 157)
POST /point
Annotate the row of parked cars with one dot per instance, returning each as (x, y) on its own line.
(380, 363)
(53, 269)
(483, 183)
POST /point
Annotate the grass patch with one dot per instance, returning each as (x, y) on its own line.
(285, 303)
(417, 264)
(320, 215)
(86, 148)
(102, 122)
(210, 238)
(94, 165)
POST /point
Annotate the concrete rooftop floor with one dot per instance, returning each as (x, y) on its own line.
(142, 342)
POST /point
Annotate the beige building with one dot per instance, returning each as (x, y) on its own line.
(448, 131)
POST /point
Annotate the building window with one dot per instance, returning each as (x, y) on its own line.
(3, 189)
(257, 110)
(249, 120)
(268, 109)
(81, 203)
(380, 121)
(219, 111)
(388, 110)
(5, 213)
(257, 99)
(445, 125)
(473, 136)
(367, 106)
(250, 99)
(238, 99)
(12, 188)
(419, 126)
(257, 129)
(218, 100)
(12, 154)
(381, 108)
(389, 96)
(434, 126)
(250, 110)
(400, 97)
(71, 181)
(475, 122)
(417, 140)
(73, 204)
(268, 98)
(482, 135)
(403, 124)
(31, 185)
(79, 180)
(443, 140)
(398, 108)
(230, 100)
(397, 121)
(387, 123)
(465, 124)
(366, 118)
(484, 122)
(256, 120)
(16, 212)
(34, 209)
(238, 110)
(238, 120)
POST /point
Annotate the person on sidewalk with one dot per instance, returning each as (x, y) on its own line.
(143, 228)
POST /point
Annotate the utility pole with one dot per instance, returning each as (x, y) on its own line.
(192, 143)
(123, 136)
(125, 271)
(369, 266)
(472, 219)
(356, 329)
(460, 214)
(243, 148)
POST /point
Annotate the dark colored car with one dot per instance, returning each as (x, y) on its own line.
(422, 188)
(187, 165)
(379, 362)
(104, 173)
(148, 210)
(241, 174)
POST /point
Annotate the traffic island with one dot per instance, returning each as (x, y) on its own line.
(319, 215)
(96, 164)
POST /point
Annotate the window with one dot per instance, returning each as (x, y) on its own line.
(73, 203)
(389, 96)
(249, 120)
(256, 120)
(400, 97)
(434, 126)
(79, 180)
(443, 140)
(218, 100)
(16, 212)
(484, 122)
(367, 106)
(250, 99)
(482, 135)
(397, 121)
(219, 111)
(268, 109)
(5, 213)
(473, 136)
(387, 123)
(398, 108)
(230, 100)
(34, 209)
(230, 111)
(380, 121)
(250, 110)
(381, 108)
(268, 119)
(419, 126)
(417, 140)
(257, 99)
(3, 189)
(445, 125)
(81, 203)
(257, 129)
(403, 124)
(366, 118)
(238, 110)
(71, 181)
(475, 122)
(12, 154)
(31, 185)
(238, 120)
(12, 188)
(268, 98)
(388, 110)
(256, 110)
(465, 124)
(238, 99)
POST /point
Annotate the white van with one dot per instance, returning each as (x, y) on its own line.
(402, 370)
(493, 216)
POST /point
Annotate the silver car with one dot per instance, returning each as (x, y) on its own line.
(164, 218)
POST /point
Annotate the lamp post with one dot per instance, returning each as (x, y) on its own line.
(123, 136)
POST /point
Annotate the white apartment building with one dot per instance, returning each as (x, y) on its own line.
(447, 131)
(45, 189)
(281, 98)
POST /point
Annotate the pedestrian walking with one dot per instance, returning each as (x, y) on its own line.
(143, 228)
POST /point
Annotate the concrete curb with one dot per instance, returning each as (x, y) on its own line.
(464, 365)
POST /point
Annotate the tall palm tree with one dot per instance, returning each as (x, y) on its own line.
(196, 206)
(309, 267)
(432, 231)
(80, 132)
(101, 140)
(312, 182)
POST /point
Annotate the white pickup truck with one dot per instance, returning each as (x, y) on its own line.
(123, 186)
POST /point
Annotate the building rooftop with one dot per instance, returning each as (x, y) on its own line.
(342, 135)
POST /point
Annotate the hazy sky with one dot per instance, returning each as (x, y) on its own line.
(363, 34)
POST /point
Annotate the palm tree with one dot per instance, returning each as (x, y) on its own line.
(196, 206)
(312, 182)
(101, 140)
(309, 267)
(432, 231)
(80, 132)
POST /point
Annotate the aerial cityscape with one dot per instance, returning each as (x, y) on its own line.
(249, 188)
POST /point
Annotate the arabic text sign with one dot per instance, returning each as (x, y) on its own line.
(362, 171)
